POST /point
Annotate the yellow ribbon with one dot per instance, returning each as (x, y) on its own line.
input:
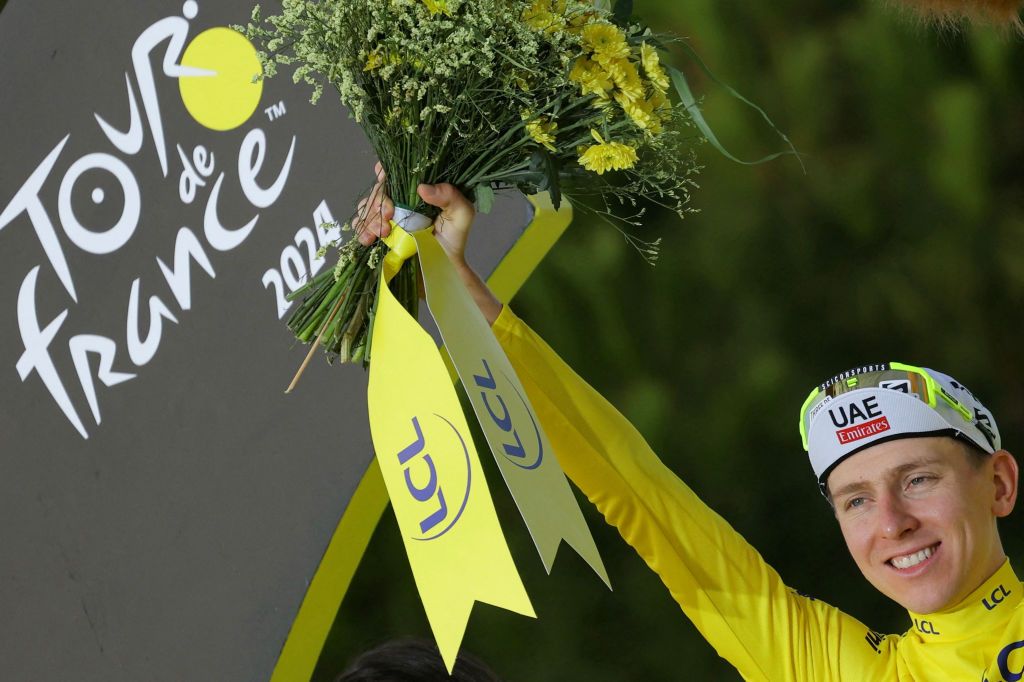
(510, 424)
(445, 513)
(402, 247)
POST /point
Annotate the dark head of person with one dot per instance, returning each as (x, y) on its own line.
(414, 660)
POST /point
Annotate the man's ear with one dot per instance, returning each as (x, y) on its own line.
(1005, 475)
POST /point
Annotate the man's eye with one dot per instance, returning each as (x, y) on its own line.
(919, 480)
(855, 502)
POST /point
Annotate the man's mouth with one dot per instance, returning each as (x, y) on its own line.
(908, 561)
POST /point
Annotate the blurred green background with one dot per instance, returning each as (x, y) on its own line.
(903, 241)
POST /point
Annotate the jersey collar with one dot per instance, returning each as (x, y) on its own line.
(985, 608)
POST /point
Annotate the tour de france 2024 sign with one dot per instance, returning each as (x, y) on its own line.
(164, 504)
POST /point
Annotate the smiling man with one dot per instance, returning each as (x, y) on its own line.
(917, 505)
(910, 460)
(912, 464)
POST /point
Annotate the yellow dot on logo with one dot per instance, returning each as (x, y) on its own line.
(227, 98)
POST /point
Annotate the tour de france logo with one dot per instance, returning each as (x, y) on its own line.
(226, 94)
(438, 473)
(217, 73)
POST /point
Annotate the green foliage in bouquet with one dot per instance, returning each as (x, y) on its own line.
(535, 95)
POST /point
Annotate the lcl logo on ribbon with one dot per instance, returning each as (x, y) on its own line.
(530, 455)
(427, 484)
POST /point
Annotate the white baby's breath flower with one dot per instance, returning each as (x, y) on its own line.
(439, 85)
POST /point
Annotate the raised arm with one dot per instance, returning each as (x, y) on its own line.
(738, 602)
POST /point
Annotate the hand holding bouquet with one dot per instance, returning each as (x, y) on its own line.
(451, 229)
(486, 95)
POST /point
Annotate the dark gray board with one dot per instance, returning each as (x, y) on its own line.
(176, 541)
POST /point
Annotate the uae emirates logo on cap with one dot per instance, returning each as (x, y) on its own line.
(855, 433)
(858, 420)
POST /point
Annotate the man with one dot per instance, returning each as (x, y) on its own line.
(910, 460)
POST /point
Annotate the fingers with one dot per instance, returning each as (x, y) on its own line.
(374, 212)
(453, 204)
(376, 223)
(453, 224)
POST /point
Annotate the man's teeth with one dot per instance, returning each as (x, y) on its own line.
(912, 559)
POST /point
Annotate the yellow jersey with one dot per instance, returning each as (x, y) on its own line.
(736, 600)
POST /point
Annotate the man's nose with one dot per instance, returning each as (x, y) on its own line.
(895, 518)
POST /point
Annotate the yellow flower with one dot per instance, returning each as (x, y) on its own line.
(437, 6)
(580, 20)
(373, 60)
(652, 67)
(545, 15)
(602, 103)
(641, 112)
(537, 16)
(626, 78)
(376, 59)
(606, 42)
(605, 156)
(542, 131)
(660, 105)
(590, 77)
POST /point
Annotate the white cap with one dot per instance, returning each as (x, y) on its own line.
(841, 426)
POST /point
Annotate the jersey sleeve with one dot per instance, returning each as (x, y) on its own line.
(735, 599)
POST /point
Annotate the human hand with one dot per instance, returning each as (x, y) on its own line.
(451, 227)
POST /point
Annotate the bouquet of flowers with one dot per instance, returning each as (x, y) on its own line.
(537, 95)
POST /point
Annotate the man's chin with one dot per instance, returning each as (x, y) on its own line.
(925, 604)
(922, 598)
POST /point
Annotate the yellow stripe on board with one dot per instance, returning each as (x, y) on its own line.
(316, 615)
(330, 582)
(529, 250)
